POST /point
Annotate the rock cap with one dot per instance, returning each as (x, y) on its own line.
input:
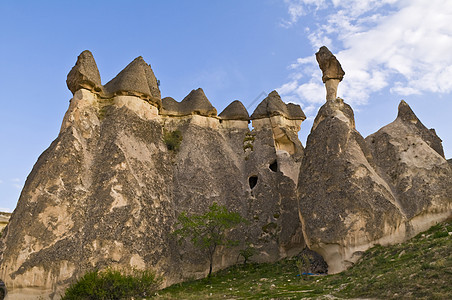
(272, 105)
(195, 103)
(84, 74)
(138, 79)
(235, 111)
(330, 66)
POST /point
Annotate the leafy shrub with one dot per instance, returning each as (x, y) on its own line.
(112, 284)
(172, 139)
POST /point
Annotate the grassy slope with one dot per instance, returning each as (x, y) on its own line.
(421, 268)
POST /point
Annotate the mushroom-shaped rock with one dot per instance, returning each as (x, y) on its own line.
(274, 106)
(235, 111)
(136, 79)
(344, 204)
(84, 74)
(196, 102)
(332, 72)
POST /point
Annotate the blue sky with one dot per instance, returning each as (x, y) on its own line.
(390, 50)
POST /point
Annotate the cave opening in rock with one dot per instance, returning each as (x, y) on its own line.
(274, 166)
(252, 181)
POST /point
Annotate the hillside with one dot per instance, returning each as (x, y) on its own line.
(420, 268)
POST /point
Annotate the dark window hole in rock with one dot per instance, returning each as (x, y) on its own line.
(274, 166)
(252, 181)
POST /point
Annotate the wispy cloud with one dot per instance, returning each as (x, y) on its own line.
(402, 45)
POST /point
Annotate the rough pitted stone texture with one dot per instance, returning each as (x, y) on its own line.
(355, 193)
(107, 192)
(412, 160)
(138, 79)
(330, 66)
(272, 105)
(407, 115)
(344, 204)
(235, 111)
(195, 103)
(84, 74)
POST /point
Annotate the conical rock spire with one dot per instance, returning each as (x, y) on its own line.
(84, 74)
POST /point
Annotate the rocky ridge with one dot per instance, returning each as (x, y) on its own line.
(108, 190)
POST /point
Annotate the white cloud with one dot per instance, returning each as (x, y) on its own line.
(402, 45)
(4, 209)
(15, 179)
(298, 8)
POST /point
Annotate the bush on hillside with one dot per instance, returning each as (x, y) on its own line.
(112, 284)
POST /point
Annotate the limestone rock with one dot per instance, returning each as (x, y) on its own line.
(107, 192)
(345, 205)
(235, 111)
(272, 105)
(84, 74)
(330, 66)
(195, 103)
(412, 160)
(136, 79)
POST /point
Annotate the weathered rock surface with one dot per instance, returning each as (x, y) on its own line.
(195, 103)
(107, 192)
(84, 74)
(330, 66)
(344, 203)
(235, 111)
(412, 161)
(355, 193)
(137, 79)
(332, 72)
(272, 106)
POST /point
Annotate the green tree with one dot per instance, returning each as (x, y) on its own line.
(208, 231)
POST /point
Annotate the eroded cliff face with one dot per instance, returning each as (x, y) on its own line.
(107, 192)
(356, 193)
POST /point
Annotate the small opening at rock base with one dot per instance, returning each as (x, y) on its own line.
(252, 181)
(274, 166)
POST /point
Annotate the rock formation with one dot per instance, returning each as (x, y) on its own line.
(84, 74)
(355, 193)
(332, 72)
(108, 190)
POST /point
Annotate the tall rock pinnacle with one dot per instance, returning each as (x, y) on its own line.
(332, 72)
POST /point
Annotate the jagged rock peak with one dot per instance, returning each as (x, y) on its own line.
(272, 105)
(330, 66)
(235, 111)
(195, 103)
(407, 116)
(137, 78)
(84, 74)
(405, 112)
